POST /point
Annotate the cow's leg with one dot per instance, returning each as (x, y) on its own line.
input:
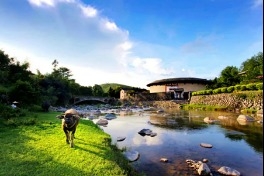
(72, 137)
(67, 135)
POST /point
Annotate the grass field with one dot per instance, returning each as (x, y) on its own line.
(39, 148)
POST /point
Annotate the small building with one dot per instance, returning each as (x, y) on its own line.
(178, 88)
(124, 93)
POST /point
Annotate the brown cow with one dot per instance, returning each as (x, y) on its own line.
(70, 121)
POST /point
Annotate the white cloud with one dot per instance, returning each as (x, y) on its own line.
(93, 47)
(88, 11)
(51, 3)
(152, 65)
(111, 26)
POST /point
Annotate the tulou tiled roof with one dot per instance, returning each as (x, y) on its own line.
(179, 80)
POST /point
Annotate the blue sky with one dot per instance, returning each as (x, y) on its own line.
(132, 42)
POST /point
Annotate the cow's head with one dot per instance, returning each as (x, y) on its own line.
(68, 118)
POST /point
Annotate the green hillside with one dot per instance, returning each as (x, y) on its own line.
(114, 86)
(106, 86)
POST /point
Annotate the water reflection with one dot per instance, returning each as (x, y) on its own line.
(179, 134)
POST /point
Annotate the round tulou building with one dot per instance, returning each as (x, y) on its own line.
(178, 88)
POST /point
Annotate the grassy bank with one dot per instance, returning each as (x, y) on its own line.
(38, 147)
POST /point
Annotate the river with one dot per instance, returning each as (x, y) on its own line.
(179, 135)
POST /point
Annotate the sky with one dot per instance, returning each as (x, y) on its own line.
(132, 42)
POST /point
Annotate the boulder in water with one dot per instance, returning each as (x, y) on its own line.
(132, 155)
(228, 171)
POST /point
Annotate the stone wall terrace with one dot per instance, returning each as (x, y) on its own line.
(240, 100)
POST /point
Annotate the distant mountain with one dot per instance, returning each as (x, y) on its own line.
(106, 86)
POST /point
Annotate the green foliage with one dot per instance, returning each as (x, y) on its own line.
(259, 86)
(243, 88)
(224, 90)
(229, 76)
(35, 108)
(209, 92)
(86, 90)
(97, 90)
(217, 91)
(7, 112)
(23, 92)
(251, 86)
(114, 86)
(203, 107)
(230, 89)
(252, 68)
(237, 87)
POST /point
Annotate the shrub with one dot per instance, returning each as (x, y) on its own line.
(243, 88)
(230, 89)
(35, 108)
(194, 93)
(217, 91)
(201, 92)
(209, 92)
(223, 90)
(237, 87)
(259, 86)
(251, 86)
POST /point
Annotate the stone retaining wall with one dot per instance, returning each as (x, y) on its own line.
(242, 100)
(239, 100)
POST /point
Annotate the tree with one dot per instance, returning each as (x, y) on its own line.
(252, 68)
(229, 76)
(87, 91)
(117, 91)
(4, 67)
(24, 93)
(98, 90)
(111, 92)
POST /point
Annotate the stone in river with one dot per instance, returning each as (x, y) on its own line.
(132, 155)
(102, 122)
(228, 171)
(144, 132)
(165, 160)
(153, 134)
(205, 145)
(120, 138)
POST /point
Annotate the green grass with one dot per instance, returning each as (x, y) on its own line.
(38, 147)
(203, 107)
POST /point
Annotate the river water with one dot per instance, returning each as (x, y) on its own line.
(179, 135)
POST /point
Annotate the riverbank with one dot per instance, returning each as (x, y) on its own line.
(237, 101)
(35, 145)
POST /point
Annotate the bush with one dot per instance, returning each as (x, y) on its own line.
(201, 92)
(6, 112)
(209, 92)
(35, 108)
(251, 86)
(230, 89)
(223, 90)
(259, 86)
(217, 91)
(194, 93)
(237, 87)
(243, 88)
